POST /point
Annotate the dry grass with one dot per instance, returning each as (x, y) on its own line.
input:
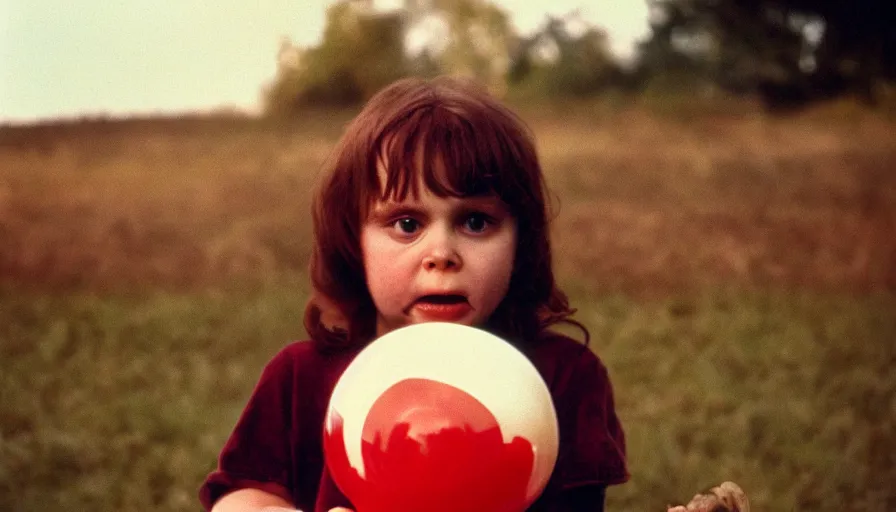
(645, 202)
(653, 203)
(147, 206)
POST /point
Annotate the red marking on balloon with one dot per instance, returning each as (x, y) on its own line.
(430, 446)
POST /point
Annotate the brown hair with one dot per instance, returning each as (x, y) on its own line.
(485, 149)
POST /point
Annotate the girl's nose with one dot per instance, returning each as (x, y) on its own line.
(442, 255)
(441, 260)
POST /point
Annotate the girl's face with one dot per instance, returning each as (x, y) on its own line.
(434, 258)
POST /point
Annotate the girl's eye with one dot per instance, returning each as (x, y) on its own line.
(477, 222)
(407, 225)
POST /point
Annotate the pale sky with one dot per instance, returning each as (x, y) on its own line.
(63, 58)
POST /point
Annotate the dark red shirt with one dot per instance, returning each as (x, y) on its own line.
(276, 444)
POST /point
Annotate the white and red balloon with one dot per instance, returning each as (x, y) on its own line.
(444, 418)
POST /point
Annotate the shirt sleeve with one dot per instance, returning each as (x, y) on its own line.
(591, 455)
(257, 453)
(592, 442)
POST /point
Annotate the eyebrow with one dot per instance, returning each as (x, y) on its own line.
(384, 210)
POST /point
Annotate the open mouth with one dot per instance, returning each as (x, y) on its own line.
(442, 299)
(447, 307)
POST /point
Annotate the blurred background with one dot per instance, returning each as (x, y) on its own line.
(723, 201)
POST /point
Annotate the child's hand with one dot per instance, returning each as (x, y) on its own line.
(341, 509)
(728, 497)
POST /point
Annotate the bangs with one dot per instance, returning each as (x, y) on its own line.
(449, 154)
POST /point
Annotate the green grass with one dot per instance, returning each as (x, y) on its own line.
(122, 403)
(790, 395)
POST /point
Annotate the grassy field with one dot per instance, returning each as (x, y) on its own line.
(737, 273)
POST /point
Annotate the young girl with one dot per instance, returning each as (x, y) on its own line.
(433, 210)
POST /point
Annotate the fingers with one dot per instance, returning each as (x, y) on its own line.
(727, 497)
(732, 496)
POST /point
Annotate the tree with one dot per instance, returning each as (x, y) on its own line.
(788, 51)
(556, 62)
(361, 51)
(473, 41)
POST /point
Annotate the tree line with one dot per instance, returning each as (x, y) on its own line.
(788, 53)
